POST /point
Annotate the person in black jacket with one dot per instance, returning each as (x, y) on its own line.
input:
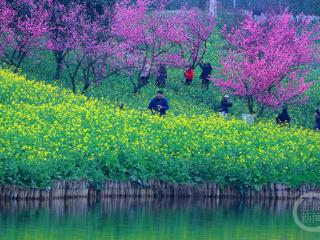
(206, 74)
(159, 104)
(161, 76)
(317, 120)
(225, 105)
(283, 118)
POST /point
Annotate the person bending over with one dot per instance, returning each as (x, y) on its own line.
(159, 104)
(283, 118)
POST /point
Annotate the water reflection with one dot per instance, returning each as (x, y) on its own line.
(150, 219)
(82, 206)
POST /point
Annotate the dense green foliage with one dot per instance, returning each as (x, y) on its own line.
(48, 133)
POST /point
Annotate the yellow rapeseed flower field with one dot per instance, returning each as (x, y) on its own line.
(48, 133)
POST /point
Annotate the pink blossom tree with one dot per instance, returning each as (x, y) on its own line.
(64, 33)
(23, 26)
(268, 61)
(99, 63)
(148, 36)
(198, 28)
(97, 50)
(82, 43)
(6, 17)
(89, 55)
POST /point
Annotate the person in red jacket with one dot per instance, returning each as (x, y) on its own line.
(189, 75)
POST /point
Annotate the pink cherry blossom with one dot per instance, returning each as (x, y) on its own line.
(268, 60)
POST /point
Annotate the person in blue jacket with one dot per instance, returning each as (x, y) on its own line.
(225, 105)
(159, 104)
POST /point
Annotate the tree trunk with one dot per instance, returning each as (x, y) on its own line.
(141, 83)
(86, 78)
(73, 82)
(59, 56)
(250, 105)
(86, 85)
(21, 56)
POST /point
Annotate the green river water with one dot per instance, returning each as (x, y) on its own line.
(147, 219)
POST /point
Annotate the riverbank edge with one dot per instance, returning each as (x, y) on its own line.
(64, 189)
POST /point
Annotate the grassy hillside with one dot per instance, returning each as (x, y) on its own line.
(183, 99)
(48, 133)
